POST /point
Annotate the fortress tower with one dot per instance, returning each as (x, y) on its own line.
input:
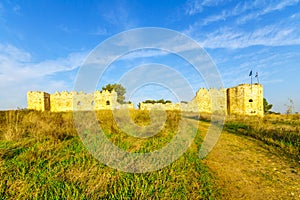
(245, 99)
(38, 100)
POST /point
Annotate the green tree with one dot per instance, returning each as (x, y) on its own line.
(149, 101)
(119, 89)
(267, 106)
(160, 101)
(157, 101)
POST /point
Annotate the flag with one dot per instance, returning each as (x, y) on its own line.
(256, 75)
(250, 73)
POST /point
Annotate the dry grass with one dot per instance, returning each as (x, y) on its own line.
(42, 157)
(282, 131)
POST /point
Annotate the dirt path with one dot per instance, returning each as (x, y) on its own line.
(246, 168)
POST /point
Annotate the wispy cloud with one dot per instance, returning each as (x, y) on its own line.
(279, 5)
(263, 8)
(295, 16)
(193, 7)
(270, 35)
(16, 64)
(101, 31)
(144, 53)
(245, 11)
(237, 10)
(118, 16)
(19, 73)
(267, 62)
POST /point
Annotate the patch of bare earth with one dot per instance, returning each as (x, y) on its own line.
(246, 168)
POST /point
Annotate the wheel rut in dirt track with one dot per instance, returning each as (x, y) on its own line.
(245, 168)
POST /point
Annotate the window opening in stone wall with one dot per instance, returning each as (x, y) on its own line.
(250, 100)
(92, 103)
(78, 103)
(107, 103)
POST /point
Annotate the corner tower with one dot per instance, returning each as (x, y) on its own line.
(245, 99)
(38, 100)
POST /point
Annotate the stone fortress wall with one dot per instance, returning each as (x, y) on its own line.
(69, 101)
(244, 99)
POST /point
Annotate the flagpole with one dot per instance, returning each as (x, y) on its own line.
(251, 79)
(251, 83)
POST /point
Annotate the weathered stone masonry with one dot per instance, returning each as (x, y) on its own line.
(68, 101)
(244, 99)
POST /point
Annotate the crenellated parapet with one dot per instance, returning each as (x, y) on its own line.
(244, 99)
(69, 101)
(104, 100)
(38, 100)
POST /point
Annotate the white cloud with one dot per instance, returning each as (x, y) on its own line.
(16, 64)
(279, 5)
(9, 52)
(246, 11)
(263, 8)
(235, 11)
(264, 60)
(295, 16)
(141, 43)
(277, 33)
(271, 35)
(19, 73)
(193, 7)
(215, 18)
(144, 53)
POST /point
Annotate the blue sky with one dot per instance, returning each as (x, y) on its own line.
(43, 43)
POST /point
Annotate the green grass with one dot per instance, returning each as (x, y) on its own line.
(42, 157)
(282, 131)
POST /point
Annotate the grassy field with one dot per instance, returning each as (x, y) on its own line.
(42, 157)
(282, 131)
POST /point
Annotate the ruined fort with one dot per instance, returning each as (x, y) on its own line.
(244, 99)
